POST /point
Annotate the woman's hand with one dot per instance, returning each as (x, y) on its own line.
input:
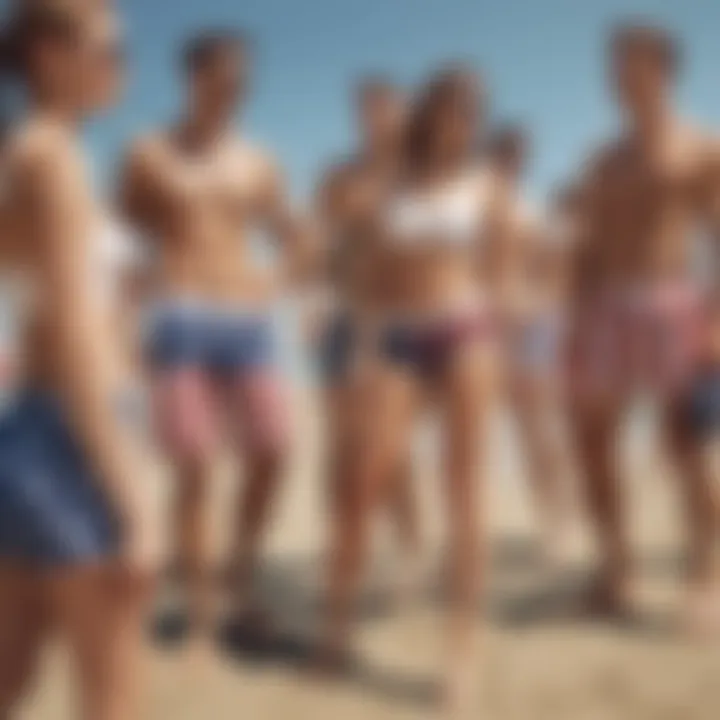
(141, 526)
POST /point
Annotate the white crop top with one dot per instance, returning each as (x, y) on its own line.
(449, 216)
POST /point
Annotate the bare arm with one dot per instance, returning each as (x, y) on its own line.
(294, 233)
(588, 233)
(61, 235)
(496, 240)
(708, 193)
(136, 178)
(133, 202)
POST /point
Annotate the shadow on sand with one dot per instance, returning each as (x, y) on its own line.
(291, 589)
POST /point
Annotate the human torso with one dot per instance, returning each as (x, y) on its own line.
(645, 212)
(431, 244)
(202, 208)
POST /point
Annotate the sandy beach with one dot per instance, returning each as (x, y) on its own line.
(542, 661)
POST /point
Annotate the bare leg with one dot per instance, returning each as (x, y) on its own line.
(699, 486)
(191, 540)
(262, 408)
(466, 390)
(404, 511)
(24, 623)
(263, 476)
(547, 457)
(386, 412)
(100, 611)
(596, 428)
(187, 417)
(341, 411)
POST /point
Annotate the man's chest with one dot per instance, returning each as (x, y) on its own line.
(221, 186)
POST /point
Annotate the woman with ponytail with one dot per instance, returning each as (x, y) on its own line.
(75, 545)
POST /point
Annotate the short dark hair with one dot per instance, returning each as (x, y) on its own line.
(203, 48)
(652, 39)
(509, 140)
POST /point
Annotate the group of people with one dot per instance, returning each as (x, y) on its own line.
(431, 286)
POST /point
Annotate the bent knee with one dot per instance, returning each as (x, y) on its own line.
(185, 418)
(264, 411)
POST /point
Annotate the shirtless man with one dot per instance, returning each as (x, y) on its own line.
(346, 197)
(533, 297)
(197, 189)
(637, 308)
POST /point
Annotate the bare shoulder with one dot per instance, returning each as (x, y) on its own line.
(146, 151)
(702, 144)
(605, 159)
(39, 143)
(257, 163)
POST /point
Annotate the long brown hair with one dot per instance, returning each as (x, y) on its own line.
(452, 84)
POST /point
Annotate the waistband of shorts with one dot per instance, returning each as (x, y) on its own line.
(191, 307)
(480, 319)
(38, 400)
(462, 309)
(672, 293)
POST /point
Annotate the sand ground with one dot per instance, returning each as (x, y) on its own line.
(542, 660)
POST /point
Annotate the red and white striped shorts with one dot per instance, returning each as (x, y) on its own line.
(637, 338)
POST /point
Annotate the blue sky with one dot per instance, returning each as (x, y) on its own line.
(542, 60)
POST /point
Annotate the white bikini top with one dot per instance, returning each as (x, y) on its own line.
(451, 216)
(117, 255)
